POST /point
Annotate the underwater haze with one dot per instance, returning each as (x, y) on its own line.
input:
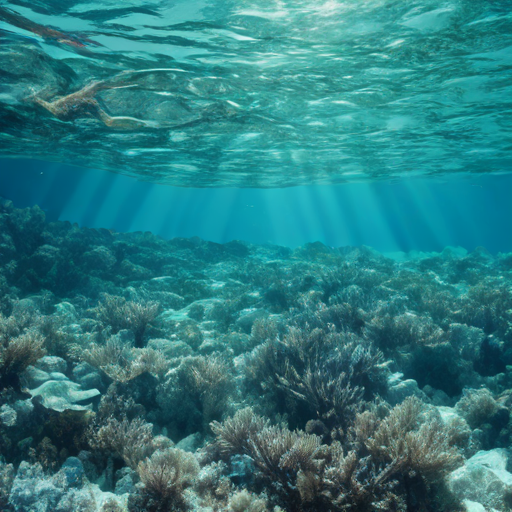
(394, 217)
(259, 93)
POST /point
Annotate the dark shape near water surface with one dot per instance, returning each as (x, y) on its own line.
(83, 103)
(48, 33)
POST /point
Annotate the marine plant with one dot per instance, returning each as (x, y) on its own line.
(118, 313)
(198, 391)
(122, 363)
(487, 305)
(313, 339)
(244, 501)
(166, 475)
(130, 440)
(18, 353)
(321, 374)
(477, 406)
(394, 462)
(414, 445)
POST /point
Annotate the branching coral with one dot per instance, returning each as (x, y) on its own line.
(404, 448)
(18, 353)
(198, 391)
(235, 433)
(24, 316)
(213, 486)
(487, 305)
(326, 374)
(322, 324)
(244, 501)
(279, 454)
(122, 363)
(166, 475)
(305, 474)
(56, 341)
(477, 406)
(354, 483)
(412, 444)
(132, 441)
(389, 332)
(118, 313)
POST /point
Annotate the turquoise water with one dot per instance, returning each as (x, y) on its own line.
(258, 93)
(410, 214)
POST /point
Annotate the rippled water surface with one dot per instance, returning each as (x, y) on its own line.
(259, 93)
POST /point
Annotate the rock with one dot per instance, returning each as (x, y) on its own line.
(248, 317)
(8, 416)
(25, 444)
(399, 390)
(33, 377)
(483, 479)
(241, 470)
(63, 395)
(90, 469)
(99, 259)
(32, 491)
(51, 364)
(93, 381)
(57, 376)
(87, 376)
(190, 443)
(134, 272)
(473, 506)
(211, 345)
(44, 258)
(171, 348)
(239, 342)
(7, 475)
(67, 312)
(125, 481)
(73, 472)
(106, 500)
(66, 491)
(126, 337)
(74, 330)
(168, 300)
(449, 415)
(77, 499)
(496, 459)
(466, 340)
(437, 396)
(23, 408)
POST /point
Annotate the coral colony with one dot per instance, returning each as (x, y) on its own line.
(138, 374)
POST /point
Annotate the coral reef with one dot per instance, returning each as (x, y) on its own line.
(140, 374)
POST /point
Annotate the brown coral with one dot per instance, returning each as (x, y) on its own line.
(165, 475)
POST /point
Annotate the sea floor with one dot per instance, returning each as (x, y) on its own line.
(144, 374)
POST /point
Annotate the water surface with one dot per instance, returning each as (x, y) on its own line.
(259, 93)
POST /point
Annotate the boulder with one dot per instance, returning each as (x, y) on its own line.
(52, 364)
(483, 479)
(33, 377)
(8, 416)
(399, 390)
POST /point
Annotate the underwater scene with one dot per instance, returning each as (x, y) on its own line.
(255, 256)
